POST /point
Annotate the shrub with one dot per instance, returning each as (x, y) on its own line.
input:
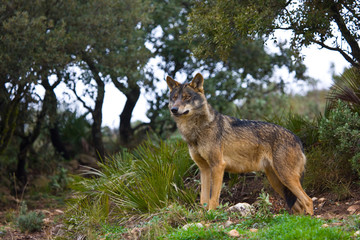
(341, 132)
(143, 181)
(29, 221)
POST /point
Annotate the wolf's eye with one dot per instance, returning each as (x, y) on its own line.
(175, 97)
(186, 97)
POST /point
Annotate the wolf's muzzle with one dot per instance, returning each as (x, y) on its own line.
(175, 111)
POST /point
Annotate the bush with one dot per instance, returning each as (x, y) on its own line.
(143, 181)
(29, 221)
(340, 131)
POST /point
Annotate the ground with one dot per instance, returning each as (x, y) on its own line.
(326, 206)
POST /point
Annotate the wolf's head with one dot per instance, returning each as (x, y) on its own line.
(188, 98)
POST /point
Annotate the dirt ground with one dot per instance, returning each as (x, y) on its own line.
(326, 206)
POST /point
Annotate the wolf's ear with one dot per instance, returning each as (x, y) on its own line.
(171, 83)
(198, 82)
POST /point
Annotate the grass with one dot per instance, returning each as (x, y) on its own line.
(300, 227)
(282, 226)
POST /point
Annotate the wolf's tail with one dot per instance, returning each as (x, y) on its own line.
(289, 196)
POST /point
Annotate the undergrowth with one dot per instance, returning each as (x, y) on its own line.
(29, 221)
(132, 183)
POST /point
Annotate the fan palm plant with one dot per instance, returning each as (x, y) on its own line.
(346, 88)
(142, 181)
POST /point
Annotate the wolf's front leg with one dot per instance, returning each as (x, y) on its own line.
(205, 178)
(217, 174)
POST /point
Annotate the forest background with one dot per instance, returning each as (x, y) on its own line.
(83, 46)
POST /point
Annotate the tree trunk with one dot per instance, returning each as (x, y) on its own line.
(20, 173)
(53, 118)
(97, 111)
(97, 134)
(125, 129)
(28, 140)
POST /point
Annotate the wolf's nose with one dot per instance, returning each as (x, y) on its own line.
(174, 109)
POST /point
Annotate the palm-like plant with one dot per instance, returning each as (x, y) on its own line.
(143, 181)
(346, 88)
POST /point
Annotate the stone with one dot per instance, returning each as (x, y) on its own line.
(244, 209)
(353, 209)
(58, 212)
(234, 233)
(228, 223)
(253, 230)
(187, 226)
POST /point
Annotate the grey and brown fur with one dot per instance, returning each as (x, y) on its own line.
(219, 143)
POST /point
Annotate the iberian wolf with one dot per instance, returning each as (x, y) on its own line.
(219, 143)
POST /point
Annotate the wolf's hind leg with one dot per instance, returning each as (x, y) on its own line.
(303, 202)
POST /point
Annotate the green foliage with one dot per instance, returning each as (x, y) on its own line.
(197, 233)
(346, 88)
(29, 221)
(263, 205)
(74, 129)
(218, 25)
(59, 181)
(143, 181)
(300, 227)
(341, 131)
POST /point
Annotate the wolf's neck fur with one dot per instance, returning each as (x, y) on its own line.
(194, 126)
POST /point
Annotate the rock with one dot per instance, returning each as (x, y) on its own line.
(253, 230)
(322, 199)
(58, 212)
(47, 221)
(336, 224)
(234, 233)
(136, 233)
(353, 209)
(314, 199)
(324, 225)
(228, 224)
(187, 226)
(244, 209)
(46, 212)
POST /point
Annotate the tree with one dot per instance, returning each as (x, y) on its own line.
(332, 25)
(248, 72)
(47, 38)
(114, 52)
(31, 48)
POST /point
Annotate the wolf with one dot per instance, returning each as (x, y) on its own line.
(219, 143)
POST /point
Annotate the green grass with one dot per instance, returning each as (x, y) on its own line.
(300, 227)
(169, 222)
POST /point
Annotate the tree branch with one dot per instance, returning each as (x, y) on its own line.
(80, 99)
(350, 39)
(350, 9)
(346, 56)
